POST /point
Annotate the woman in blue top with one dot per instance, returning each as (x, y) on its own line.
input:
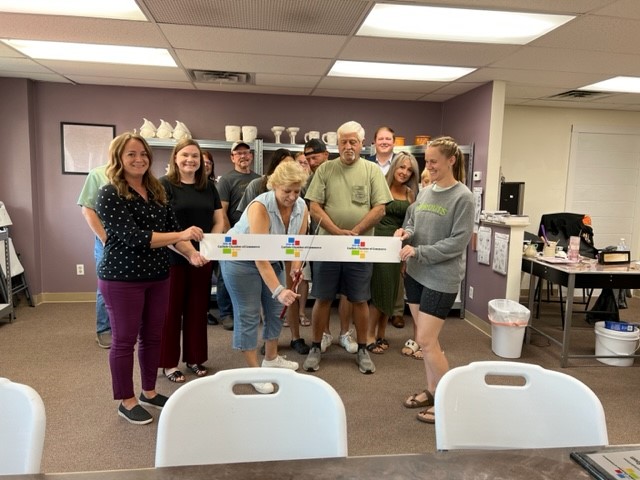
(259, 285)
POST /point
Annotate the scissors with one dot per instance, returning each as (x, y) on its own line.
(298, 276)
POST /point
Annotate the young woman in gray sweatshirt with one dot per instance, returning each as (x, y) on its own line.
(436, 234)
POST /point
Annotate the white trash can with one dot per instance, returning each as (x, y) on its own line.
(508, 320)
(614, 342)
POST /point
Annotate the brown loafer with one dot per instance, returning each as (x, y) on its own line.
(397, 321)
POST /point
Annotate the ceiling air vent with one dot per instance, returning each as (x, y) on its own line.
(216, 76)
(579, 95)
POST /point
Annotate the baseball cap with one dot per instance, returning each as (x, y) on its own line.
(314, 145)
(238, 144)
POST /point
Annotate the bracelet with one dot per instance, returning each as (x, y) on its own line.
(277, 291)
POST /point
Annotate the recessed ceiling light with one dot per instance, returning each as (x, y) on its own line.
(616, 84)
(87, 52)
(397, 71)
(118, 9)
(458, 24)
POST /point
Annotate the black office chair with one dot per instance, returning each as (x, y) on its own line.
(559, 227)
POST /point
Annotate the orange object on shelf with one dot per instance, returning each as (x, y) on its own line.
(399, 141)
(421, 139)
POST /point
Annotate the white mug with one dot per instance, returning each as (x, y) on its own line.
(330, 138)
(249, 133)
(232, 133)
(312, 134)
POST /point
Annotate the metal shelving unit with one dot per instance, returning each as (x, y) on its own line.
(6, 309)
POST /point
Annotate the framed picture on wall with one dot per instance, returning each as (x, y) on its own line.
(84, 146)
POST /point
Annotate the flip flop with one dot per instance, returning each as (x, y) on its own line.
(304, 321)
(413, 402)
(427, 416)
(373, 347)
(383, 343)
(418, 355)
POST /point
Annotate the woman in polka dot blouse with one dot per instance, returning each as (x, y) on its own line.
(134, 273)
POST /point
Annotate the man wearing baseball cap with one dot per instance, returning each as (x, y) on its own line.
(230, 188)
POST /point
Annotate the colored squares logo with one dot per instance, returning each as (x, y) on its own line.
(356, 248)
(292, 247)
(229, 246)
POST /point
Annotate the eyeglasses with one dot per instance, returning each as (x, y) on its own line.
(242, 153)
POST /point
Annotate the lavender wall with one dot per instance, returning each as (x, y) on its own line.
(18, 173)
(42, 201)
(467, 118)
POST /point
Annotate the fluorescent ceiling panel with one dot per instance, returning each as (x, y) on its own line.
(87, 52)
(117, 9)
(397, 71)
(616, 84)
(458, 24)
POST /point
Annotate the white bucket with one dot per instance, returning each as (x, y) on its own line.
(613, 342)
(506, 340)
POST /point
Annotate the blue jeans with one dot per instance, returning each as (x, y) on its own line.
(249, 293)
(102, 317)
(225, 306)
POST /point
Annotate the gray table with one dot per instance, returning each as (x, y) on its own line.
(453, 465)
(572, 276)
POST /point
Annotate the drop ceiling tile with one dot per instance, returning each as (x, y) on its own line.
(531, 91)
(273, 90)
(566, 80)
(271, 80)
(331, 17)
(595, 33)
(252, 63)
(81, 30)
(253, 41)
(621, 9)
(112, 71)
(574, 60)
(130, 82)
(24, 65)
(37, 76)
(423, 52)
(374, 84)
(365, 94)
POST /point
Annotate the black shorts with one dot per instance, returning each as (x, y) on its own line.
(436, 304)
(351, 279)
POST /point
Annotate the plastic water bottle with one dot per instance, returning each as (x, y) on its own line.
(622, 246)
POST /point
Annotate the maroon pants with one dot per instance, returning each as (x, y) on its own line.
(136, 311)
(188, 306)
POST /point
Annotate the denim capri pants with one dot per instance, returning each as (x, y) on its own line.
(249, 294)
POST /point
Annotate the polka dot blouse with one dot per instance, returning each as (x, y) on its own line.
(128, 255)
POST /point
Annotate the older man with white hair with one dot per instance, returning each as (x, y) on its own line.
(347, 197)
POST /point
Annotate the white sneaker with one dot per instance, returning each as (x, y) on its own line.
(348, 343)
(263, 387)
(280, 362)
(327, 338)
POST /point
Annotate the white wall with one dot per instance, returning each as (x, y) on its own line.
(535, 149)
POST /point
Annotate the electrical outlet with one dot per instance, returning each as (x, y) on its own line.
(471, 292)
(79, 269)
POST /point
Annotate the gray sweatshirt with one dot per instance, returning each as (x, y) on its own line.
(440, 224)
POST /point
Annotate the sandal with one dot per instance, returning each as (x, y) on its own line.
(427, 416)
(176, 376)
(410, 347)
(304, 321)
(418, 355)
(373, 347)
(413, 402)
(383, 343)
(199, 370)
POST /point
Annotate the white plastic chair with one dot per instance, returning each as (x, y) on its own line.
(479, 407)
(205, 422)
(22, 427)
